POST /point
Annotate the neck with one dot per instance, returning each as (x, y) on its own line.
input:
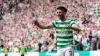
(62, 18)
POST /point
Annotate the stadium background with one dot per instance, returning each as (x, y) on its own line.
(16, 24)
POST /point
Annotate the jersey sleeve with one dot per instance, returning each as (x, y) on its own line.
(72, 22)
(52, 24)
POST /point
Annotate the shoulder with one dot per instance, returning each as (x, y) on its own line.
(56, 20)
(71, 19)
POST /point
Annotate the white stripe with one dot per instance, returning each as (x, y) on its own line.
(58, 48)
(63, 35)
(64, 39)
(64, 21)
(72, 22)
(64, 30)
(58, 20)
(63, 43)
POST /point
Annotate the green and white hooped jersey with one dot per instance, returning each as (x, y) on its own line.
(64, 35)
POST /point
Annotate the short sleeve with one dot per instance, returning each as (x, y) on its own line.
(52, 24)
(72, 22)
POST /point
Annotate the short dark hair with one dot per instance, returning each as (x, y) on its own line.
(62, 8)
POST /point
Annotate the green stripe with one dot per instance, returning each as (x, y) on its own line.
(61, 27)
(64, 41)
(62, 22)
(66, 37)
(61, 46)
(64, 32)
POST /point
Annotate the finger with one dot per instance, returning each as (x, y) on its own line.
(68, 26)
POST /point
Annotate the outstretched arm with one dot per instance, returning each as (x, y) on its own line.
(41, 26)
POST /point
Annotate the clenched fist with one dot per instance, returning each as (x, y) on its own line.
(35, 22)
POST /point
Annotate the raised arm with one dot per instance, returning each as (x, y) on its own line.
(41, 26)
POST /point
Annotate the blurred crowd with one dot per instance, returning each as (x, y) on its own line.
(16, 24)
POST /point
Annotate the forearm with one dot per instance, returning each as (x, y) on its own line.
(43, 26)
(76, 29)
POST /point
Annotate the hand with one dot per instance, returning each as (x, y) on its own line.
(68, 26)
(35, 22)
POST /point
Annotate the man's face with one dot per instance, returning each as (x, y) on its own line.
(60, 13)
